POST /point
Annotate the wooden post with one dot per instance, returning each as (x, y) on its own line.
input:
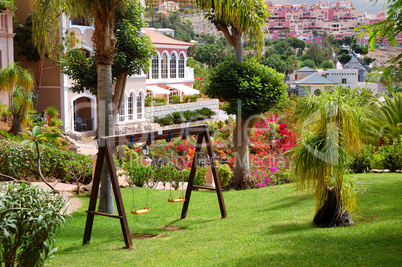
(94, 196)
(192, 176)
(118, 198)
(215, 174)
(105, 151)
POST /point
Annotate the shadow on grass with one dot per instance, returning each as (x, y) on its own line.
(336, 247)
(288, 227)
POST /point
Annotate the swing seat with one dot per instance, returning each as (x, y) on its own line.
(137, 212)
(174, 200)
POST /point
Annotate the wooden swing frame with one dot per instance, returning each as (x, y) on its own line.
(105, 152)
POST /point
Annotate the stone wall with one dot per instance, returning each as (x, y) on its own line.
(163, 111)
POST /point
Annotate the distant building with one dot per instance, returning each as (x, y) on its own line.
(335, 18)
(320, 81)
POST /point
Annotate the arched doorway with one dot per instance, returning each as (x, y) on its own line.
(84, 113)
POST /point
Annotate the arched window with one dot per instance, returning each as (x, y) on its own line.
(173, 67)
(122, 116)
(140, 101)
(181, 66)
(164, 66)
(130, 104)
(155, 67)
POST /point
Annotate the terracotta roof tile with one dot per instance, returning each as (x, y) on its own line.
(158, 38)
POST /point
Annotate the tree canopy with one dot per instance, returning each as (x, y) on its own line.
(238, 20)
(257, 87)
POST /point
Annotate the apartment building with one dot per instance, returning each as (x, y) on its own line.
(336, 18)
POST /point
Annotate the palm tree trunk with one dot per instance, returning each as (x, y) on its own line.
(105, 128)
(332, 213)
(16, 127)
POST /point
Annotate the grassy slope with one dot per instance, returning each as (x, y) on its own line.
(264, 226)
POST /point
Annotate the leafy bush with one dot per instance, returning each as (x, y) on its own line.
(225, 174)
(52, 112)
(199, 178)
(309, 63)
(327, 64)
(360, 164)
(392, 154)
(364, 160)
(155, 101)
(29, 219)
(178, 117)
(190, 98)
(5, 113)
(185, 116)
(175, 99)
(19, 161)
(164, 120)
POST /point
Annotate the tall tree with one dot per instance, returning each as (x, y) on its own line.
(18, 82)
(46, 25)
(133, 53)
(238, 20)
(250, 89)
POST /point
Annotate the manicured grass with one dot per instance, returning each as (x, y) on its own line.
(269, 226)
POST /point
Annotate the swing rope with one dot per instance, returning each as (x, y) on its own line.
(171, 199)
(146, 209)
(132, 178)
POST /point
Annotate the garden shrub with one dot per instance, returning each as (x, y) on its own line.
(52, 112)
(155, 101)
(29, 220)
(225, 174)
(363, 161)
(175, 99)
(168, 120)
(360, 164)
(190, 98)
(20, 161)
(199, 178)
(178, 117)
(392, 154)
(185, 116)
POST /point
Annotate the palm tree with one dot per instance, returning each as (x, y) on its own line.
(46, 24)
(235, 19)
(332, 127)
(18, 82)
(387, 118)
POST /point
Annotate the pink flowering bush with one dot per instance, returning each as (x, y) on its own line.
(269, 140)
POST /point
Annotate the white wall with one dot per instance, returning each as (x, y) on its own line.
(351, 76)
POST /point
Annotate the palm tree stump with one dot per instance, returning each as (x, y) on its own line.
(332, 213)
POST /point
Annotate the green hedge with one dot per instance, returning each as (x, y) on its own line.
(20, 161)
(387, 156)
(185, 116)
(155, 101)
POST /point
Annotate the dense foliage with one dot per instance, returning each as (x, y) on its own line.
(20, 161)
(29, 220)
(185, 116)
(255, 87)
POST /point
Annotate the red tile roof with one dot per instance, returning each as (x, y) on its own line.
(158, 38)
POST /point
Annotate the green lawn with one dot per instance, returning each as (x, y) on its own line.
(269, 226)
